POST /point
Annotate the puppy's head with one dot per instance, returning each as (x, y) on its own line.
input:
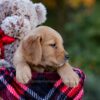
(44, 47)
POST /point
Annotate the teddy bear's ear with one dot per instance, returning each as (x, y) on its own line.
(41, 12)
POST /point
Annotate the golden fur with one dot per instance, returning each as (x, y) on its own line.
(40, 50)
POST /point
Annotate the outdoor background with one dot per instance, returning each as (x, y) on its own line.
(78, 21)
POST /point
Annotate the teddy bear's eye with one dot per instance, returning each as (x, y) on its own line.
(27, 16)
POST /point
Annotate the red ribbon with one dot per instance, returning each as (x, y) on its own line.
(4, 40)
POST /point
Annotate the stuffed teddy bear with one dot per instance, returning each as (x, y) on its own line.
(17, 19)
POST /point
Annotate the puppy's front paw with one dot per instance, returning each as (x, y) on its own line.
(23, 74)
(70, 79)
(68, 76)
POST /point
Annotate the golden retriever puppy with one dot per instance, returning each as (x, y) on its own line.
(43, 49)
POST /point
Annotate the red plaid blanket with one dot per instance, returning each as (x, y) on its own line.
(44, 86)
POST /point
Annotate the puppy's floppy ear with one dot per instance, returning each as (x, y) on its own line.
(32, 49)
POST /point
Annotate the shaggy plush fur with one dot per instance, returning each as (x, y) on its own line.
(19, 16)
(41, 49)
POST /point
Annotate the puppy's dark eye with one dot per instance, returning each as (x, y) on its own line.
(53, 45)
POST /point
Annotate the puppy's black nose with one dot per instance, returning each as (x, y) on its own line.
(66, 57)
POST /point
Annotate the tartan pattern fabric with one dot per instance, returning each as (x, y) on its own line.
(43, 86)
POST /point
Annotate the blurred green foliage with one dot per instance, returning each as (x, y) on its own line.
(83, 31)
(78, 21)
